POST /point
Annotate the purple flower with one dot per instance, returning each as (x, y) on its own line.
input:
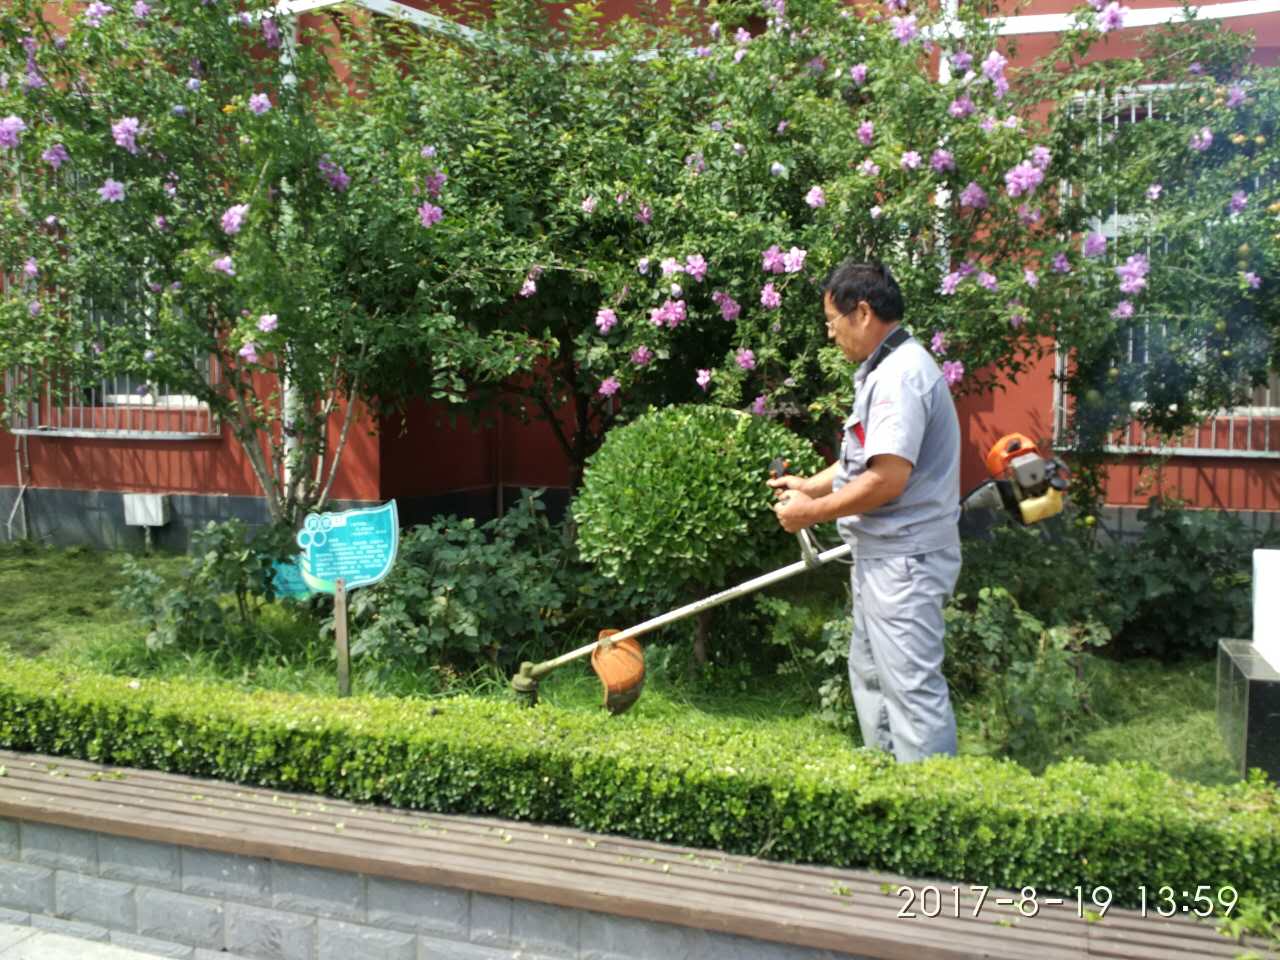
(94, 13)
(968, 268)
(1154, 191)
(782, 126)
(671, 265)
(793, 260)
(336, 176)
(1201, 141)
(125, 132)
(642, 265)
(609, 386)
(1024, 178)
(1028, 216)
(606, 319)
(815, 198)
(31, 268)
(973, 196)
(904, 28)
(435, 183)
(1061, 264)
(1253, 280)
(703, 379)
(250, 352)
(111, 191)
(1195, 69)
(743, 35)
(1016, 320)
(1123, 310)
(641, 356)
(271, 33)
(1133, 273)
(233, 219)
(259, 104)
(677, 290)
(148, 356)
(178, 110)
(1239, 200)
(987, 280)
(858, 73)
(875, 212)
(696, 266)
(225, 265)
(939, 343)
(268, 322)
(589, 205)
(866, 132)
(141, 10)
(34, 307)
(910, 160)
(1095, 244)
(869, 168)
(745, 358)
(961, 107)
(994, 65)
(644, 214)
(952, 371)
(1041, 157)
(161, 223)
(942, 160)
(769, 297)
(729, 308)
(429, 213)
(696, 163)
(760, 406)
(987, 125)
(772, 260)
(961, 61)
(739, 54)
(1235, 96)
(740, 149)
(702, 51)
(714, 30)
(55, 156)
(193, 84)
(427, 152)
(530, 285)
(949, 283)
(672, 313)
(1031, 278)
(1112, 17)
(776, 169)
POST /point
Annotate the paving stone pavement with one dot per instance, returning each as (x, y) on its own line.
(28, 943)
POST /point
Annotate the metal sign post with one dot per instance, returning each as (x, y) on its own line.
(340, 635)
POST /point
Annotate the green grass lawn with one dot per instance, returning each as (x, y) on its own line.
(64, 604)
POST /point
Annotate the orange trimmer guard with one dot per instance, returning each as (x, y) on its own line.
(620, 667)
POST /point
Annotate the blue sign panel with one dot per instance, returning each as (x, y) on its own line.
(288, 580)
(357, 546)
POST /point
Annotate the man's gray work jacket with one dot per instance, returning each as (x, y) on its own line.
(902, 405)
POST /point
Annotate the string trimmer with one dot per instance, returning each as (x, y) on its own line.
(1025, 484)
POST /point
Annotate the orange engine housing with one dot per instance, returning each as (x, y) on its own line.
(1005, 449)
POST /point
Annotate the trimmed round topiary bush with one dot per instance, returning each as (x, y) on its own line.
(675, 503)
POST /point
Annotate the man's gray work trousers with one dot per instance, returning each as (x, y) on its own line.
(895, 659)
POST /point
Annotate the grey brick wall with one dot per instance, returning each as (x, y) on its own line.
(178, 902)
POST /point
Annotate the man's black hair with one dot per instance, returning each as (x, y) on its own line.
(852, 281)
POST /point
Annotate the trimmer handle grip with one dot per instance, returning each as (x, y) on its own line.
(808, 549)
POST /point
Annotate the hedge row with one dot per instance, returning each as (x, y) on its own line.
(736, 788)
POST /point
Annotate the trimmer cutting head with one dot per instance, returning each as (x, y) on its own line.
(620, 667)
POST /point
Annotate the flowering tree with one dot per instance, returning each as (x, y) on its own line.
(675, 203)
(173, 207)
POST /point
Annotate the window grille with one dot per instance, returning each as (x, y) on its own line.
(1249, 431)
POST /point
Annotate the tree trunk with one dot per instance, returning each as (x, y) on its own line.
(701, 642)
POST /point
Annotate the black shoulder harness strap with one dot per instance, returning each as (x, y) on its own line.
(891, 343)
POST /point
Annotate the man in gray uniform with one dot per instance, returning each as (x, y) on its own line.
(895, 494)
